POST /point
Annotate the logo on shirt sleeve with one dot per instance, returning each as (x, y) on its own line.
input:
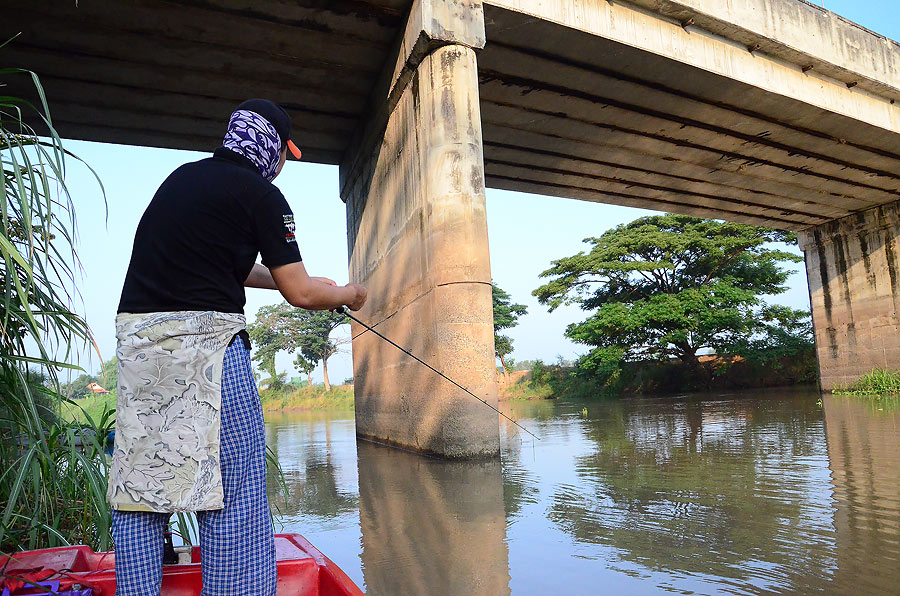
(289, 227)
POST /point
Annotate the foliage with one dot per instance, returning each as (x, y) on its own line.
(672, 286)
(305, 367)
(52, 475)
(274, 381)
(523, 365)
(78, 388)
(269, 336)
(109, 374)
(316, 343)
(877, 381)
(506, 315)
(540, 373)
(282, 327)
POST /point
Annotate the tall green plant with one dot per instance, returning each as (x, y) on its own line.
(52, 472)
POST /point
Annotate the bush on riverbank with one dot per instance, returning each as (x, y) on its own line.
(310, 397)
(878, 381)
(654, 377)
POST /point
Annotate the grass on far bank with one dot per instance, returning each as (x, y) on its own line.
(92, 405)
(309, 397)
(876, 382)
(524, 390)
(314, 397)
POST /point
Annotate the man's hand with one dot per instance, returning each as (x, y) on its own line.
(299, 289)
(360, 298)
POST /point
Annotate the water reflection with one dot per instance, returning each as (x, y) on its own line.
(865, 468)
(431, 526)
(318, 466)
(726, 489)
(756, 493)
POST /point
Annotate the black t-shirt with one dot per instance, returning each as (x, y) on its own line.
(201, 234)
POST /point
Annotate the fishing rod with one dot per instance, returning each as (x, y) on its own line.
(344, 311)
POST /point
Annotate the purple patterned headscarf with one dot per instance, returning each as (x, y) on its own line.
(255, 138)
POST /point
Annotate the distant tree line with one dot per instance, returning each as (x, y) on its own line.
(107, 377)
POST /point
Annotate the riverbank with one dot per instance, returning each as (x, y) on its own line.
(310, 397)
(875, 383)
(547, 381)
(315, 397)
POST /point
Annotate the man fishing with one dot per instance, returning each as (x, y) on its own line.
(189, 426)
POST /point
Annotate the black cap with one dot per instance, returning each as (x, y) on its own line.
(272, 112)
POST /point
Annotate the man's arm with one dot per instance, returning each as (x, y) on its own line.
(301, 290)
(261, 277)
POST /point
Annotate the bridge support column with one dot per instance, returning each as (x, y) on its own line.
(413, 182)
(853, 266)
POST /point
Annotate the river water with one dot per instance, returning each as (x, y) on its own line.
(777, 492)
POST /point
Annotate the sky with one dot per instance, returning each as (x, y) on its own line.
(526, 232)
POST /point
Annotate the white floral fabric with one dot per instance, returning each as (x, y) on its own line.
(166, 455)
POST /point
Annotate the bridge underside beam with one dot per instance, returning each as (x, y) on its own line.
(611, 102)
(414, 188)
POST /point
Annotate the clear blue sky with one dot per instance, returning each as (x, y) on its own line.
(526, 231)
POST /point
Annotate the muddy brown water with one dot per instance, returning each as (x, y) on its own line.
(776, 492)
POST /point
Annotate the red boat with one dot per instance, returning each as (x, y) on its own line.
(79, 571)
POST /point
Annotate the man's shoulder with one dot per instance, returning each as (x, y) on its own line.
(214, 172)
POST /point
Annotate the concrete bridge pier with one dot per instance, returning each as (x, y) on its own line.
(413, 182)
(853, 266)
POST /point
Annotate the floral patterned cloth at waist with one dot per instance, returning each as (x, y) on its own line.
(166, 455)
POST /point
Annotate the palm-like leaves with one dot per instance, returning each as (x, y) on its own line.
(52, 480)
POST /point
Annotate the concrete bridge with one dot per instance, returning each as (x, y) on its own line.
(770, 112)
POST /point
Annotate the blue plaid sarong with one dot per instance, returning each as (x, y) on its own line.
(237, 542)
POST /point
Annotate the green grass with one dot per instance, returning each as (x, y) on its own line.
(525, 391)
(877, 381)
(289, 398)
(93, 405)
(314, 397)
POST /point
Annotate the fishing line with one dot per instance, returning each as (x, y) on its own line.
(343, 310)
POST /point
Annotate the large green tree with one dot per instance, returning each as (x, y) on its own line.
(506, 315)
(272, 332)
(316, 343)
(282, 327)
(672, 286)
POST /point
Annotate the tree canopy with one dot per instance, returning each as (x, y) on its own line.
(506, 315)
(282, 327)
(670, 286)
(316, 343)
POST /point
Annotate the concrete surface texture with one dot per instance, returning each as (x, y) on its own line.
(774, 112)
(617, 102)
(418, 242)
(770, 112)
(854, 283)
